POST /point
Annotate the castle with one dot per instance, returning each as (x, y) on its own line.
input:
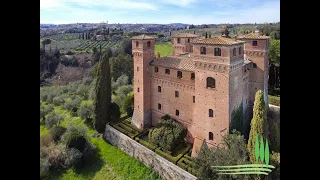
(200, 84)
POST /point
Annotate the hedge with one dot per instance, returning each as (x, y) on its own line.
(123, 131)
(274, 100)
(188, 167)
(147, 144)
(187, 157)
(168, 156)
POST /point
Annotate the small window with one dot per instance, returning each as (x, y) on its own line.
(137, 68)
(176, 93)
(159, 88)
(194, 99)
(192, 76)
(137, 43)
(254, 43)
(167, 71)
(178, 40)
(210, 113)
(210, 136)
(179, 74)
(177, 112)
(240, 50)
(254, 65)
(211, 82)
(138, 90)
(149, 44)
(217, 52)
(203, 50)
(156, 69)
(188, 40)
(159, 106)
(234, 52)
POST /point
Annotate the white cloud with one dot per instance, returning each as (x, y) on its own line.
(182, 3)
(49, 4)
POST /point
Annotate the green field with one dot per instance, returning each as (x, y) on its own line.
(274, 100)
(165, 49)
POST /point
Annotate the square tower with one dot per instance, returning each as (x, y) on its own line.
(218, 67)
(182, 43)
(256, 50)
(143, 53)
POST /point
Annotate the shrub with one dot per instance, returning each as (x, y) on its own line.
(72, 104)
(83, 90)
(275, 161)
(87, 80)
(45, 140)
(114, 112)
(58, 100)
(53, 119)
(45, 109)
(121, 81)
(74, 159)
(56, 132)
(75, 137)
(168, 134)
(44, 167)
(85, 110)
(43, 95)
(57, 155)
(127, 105)
(124, 90)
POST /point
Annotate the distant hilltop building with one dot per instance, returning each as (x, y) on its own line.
(200, 84)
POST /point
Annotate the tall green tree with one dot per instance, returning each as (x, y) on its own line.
(226, 32)
(45, 42)
(259, 124)
(237, 119)
(206, 35)
(102, 89)
(274, 63)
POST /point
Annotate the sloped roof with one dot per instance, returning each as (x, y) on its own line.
(176, 62)
(143, 37)
(185, 35)
(218, 41)
(253, 36)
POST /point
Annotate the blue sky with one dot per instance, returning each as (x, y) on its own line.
(159, 11)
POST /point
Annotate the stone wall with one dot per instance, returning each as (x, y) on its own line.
(149, 158)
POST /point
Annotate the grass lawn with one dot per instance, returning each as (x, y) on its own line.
(109, 163)
(165, 49)
(274, 100)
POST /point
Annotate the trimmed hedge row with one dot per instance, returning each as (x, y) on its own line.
(128, 133)
(187, 165)
(168, 156)
(146, 144)
(274, 100)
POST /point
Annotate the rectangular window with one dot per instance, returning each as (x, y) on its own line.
(159, 106)
(192, 76)
(179, 74)
(159, 88)
(210, 136)
(210, 113)
(156, 69)
(176, 94)
(194, 99)
(138, 89)
(137, 68)
(167, 71)
(217, 52)
(254, 43)
(254, 65)
(177, 112)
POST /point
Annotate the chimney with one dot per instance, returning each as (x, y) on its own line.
(158, 55)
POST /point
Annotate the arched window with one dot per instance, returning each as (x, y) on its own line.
(188, 40)
(211, 82)
(159, 88)
(177, 112)
(179, 74)
(203, 50)
(138, 90)
(167, 71)
(217, 52)
(149, 44)
(210, 136)
(240, 50)
(234, 52)
(137, 43)
(178, 40)
(210, 113)
(192, 76)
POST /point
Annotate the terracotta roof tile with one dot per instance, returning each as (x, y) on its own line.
(176, 62)
(218, 41)
(185, 35)
(143, 36)
(253, 36)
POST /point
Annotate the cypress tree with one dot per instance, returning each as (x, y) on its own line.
(194, 31)
(82, 35)
(206, 35)
(259, 124)
(102, 89)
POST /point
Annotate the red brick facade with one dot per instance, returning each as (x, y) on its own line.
(202, 110)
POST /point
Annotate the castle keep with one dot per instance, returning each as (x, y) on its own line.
(200, 84)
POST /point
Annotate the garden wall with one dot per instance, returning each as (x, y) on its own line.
(149, 158)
